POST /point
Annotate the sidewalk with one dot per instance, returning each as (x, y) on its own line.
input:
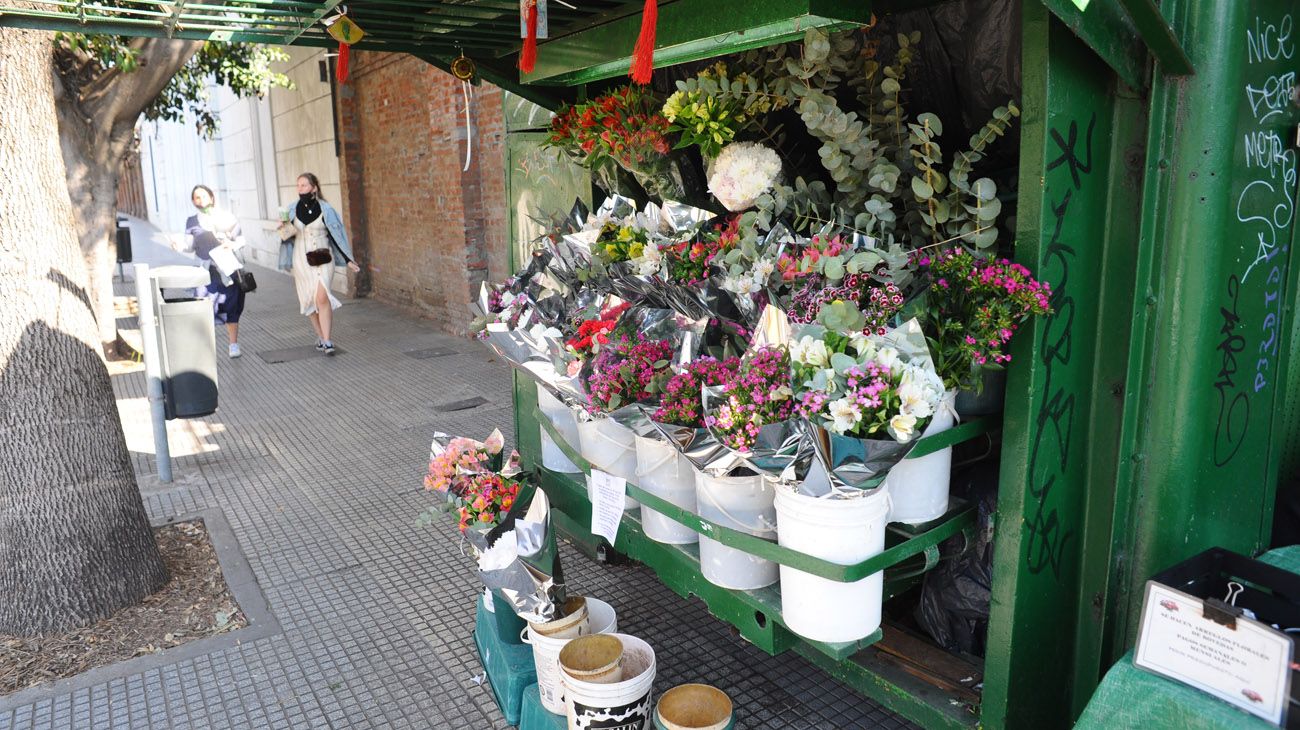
(317, 464)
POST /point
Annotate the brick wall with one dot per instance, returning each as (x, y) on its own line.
(428, 231)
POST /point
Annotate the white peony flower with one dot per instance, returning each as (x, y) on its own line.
(902, 427)
(743, 172)
(845, 415)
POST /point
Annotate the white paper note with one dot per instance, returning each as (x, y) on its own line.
(1248, 666)
(607, 497)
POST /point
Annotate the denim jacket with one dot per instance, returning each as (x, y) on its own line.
(334, 224)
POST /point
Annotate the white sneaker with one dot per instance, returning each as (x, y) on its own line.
(234, 350)
(320, 344)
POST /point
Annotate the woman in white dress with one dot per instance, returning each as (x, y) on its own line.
(322, 243)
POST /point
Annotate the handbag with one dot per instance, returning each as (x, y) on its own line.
(287, 232)
(319, 257)
(244, 281)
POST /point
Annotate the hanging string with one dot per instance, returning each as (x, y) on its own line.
(469, 128)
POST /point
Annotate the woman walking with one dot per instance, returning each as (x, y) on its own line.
(322, 243)
(213, 228)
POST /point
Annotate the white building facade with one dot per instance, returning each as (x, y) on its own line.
(253, 163)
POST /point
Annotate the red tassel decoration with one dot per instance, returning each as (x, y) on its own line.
(528, 56)
(643, 56)
(341, 67)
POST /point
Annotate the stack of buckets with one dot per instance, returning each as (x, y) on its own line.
(584, 616)
(607, 681)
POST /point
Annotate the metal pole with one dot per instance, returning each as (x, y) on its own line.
(146, 297)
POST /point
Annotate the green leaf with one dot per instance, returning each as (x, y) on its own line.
(834, 268)
(931, 122)
(984, 189)
(890, 86)
(922, 189)
(842, 362)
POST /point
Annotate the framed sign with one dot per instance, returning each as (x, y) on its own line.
(1215, 648)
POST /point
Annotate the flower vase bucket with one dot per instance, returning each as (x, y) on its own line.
(601, 617)
(919, 487)
(593, 658)
(547, 640)
(988, 400)
(566, 423)
(610, 447)
(664, 472)
(841, 531)
(741, 503)
(623, 704)
(694, 707)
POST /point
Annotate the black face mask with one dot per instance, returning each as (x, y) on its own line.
(308, 208)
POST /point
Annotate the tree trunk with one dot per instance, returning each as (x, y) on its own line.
(97, 127)
(75, 544)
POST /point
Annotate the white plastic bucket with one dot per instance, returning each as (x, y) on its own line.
(624, 704)
(842, 531)
(566, 422)
(546, 654)
(741, 503)
(610, 447)
(601, 618)
(919, 487)
(664, 472)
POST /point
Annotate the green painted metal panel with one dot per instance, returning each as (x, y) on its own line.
(1203, 452)
(538, 182)
(1108, 30)
(689, 30)
(1060, 425)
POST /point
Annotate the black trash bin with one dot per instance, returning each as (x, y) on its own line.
(189, 357)
(123, 243)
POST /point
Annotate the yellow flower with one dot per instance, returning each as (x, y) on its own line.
(635, 250)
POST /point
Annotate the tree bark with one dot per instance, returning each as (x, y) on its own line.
(97, 125)
(75, 543)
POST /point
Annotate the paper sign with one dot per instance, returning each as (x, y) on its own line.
(607, 498)
(1248, 666)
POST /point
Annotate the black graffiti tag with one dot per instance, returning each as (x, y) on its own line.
(1049, 457)
(1234, 410)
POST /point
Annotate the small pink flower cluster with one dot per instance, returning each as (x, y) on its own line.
(624, 372)
(462, 456)
(757, 396)
(976, 305)
(801, 263)
(869, 400)
(681, 405)
(878, 303)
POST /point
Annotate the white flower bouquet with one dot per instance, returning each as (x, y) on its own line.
(743, 172)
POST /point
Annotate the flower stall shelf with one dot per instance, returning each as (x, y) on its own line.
(757, 613)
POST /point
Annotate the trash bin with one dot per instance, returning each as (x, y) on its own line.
(123, 243)
(189, 357)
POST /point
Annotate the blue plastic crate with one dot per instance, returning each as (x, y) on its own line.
(535, 716)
